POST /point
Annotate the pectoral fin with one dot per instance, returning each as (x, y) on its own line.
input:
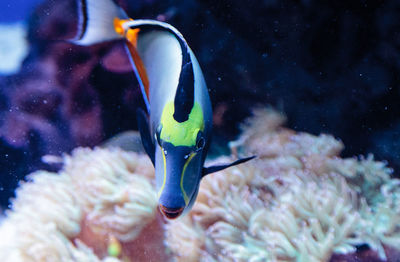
(212, 169)
(143, 125)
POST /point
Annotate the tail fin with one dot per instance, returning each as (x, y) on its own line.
(96, 21)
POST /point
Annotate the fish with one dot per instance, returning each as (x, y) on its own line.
(176, 124)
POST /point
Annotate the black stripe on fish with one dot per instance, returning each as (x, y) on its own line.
(184, 97)
(83, 19)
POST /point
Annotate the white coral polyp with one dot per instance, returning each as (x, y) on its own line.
(108, 189)
(115, 197)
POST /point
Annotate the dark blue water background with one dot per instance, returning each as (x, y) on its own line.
(16, 10)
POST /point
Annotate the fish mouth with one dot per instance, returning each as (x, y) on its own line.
(170, 213)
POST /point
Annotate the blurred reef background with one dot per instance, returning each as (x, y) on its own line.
(330, 66)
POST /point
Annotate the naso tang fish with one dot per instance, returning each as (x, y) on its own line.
(176, 128)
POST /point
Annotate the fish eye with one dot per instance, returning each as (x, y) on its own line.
(200, 142)
(157, 134)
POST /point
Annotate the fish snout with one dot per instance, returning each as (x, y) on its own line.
(170, 213)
